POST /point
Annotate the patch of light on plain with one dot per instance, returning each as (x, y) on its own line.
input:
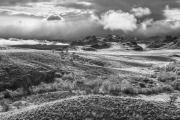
(14, 41)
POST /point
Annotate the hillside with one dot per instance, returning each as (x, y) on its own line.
(34, 67)
(168, 42)
(97, 107)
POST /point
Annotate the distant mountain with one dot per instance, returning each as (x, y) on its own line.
(86, 41)
(114, 38)
(90, 40)
(168, 41)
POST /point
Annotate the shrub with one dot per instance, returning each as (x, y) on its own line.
(94, 83)
(115, 89)
(130, 90)
(167, 76)
(173, 99)
(7, 94)
(43, 88)
(95, 90)
(153, 76)
(167, 88)
(4, 105)
(111, 88)
(93, 86)
(20, 104)
(176, 84)
(105, 87)
(156, 90)
(79, 84)
(171, 67)
(61, 85)
(142, 85)
(69, 77)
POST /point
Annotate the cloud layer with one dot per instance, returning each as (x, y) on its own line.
(43, 29)
(74, 19)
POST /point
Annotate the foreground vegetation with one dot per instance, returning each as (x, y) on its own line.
(72, 86)
(98, 107)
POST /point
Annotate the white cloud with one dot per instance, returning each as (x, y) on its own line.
(118, 20)
(43, 9)
(172, 14)
(151, 28)
(145, 24)
(85, 3)
(170, 23)
(140, 12)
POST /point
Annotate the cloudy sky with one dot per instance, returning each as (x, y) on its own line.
(75, 19)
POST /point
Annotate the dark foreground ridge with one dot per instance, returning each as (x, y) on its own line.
(98, 108)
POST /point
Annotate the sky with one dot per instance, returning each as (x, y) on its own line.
(69, 20)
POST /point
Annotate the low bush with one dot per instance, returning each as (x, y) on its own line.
(156, 90)
(172, 99)
(176, 84)
(69, 77)
(43, 88)
(171, 67)
(111, 88)
(167, 76)
(79, 84)
(20, 104)
(130, 90)
(5, 106)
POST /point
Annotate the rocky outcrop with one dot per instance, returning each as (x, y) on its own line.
(114, 38)
(90, 40)
(167, 41)
(93, 43)
(132, 46)
(86, 41)
(101, 45)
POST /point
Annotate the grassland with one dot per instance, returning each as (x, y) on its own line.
(56, 86)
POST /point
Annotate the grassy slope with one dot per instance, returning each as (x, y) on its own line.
(17, 63)
(98, 107)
